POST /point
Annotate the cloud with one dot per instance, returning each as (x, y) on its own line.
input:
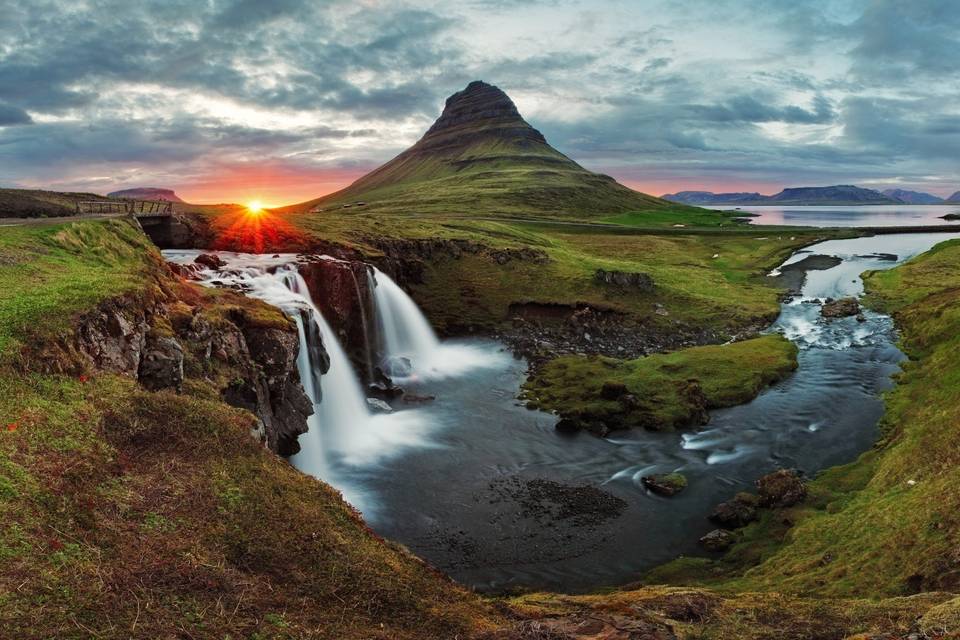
(760, 90)
(11, 115)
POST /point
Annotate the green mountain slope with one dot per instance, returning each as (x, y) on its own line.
(482, 158)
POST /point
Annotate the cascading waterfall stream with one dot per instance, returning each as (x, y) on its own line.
(343, 435)
(404, 331)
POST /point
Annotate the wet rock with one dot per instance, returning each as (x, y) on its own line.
(397, 366)
(666, 485)
(737, 512)
(628, 280)
(718, 540)
(782, 488)
(383, 387)
(210, 260)
(567, 425)
(840, 308)
(861, 317)
(378, 406)
(162, 365)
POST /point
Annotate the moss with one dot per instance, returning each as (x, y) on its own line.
(662, 391)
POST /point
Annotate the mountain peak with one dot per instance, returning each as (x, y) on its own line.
(482, 107)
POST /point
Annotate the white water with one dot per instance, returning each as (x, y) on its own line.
(343, 435)
(405, 334)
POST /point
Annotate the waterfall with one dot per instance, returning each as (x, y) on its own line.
(404, 331)
(341, 406)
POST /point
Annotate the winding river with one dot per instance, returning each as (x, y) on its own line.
(462, 480)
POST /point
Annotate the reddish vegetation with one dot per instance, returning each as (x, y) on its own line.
(265, 231)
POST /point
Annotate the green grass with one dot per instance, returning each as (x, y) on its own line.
(48, 273)
(670, 390)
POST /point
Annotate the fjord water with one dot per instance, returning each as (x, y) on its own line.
(906, 215)
(446, 478)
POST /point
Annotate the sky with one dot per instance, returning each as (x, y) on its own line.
(286, 100)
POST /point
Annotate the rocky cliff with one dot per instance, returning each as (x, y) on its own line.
(175, 332)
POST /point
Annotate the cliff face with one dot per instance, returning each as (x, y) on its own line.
(163, 338)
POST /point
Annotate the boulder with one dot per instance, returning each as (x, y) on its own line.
(627, 280)
(378, 406)
(782, 488)
(666, 485)
(161, 366)
(737, 512)
(840, 308)
(718, 540)
(210, 260)
(566, 425)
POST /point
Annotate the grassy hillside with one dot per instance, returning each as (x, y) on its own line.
(133, 514)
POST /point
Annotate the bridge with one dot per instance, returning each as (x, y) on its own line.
(138, 208)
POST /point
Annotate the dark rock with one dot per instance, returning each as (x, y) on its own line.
(567, 425)
(613, 390)
(210, 260)
(162, 365)
(718, 540)
(861, 317)
(341, 290)
(637, 280)
(738, 512)
(840, 308)
(666, 485)
(782, 488)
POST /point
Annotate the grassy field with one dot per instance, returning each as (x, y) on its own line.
(670, 390)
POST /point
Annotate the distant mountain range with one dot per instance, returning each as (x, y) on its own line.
(843, 194)
(146, 193)
(912, 197)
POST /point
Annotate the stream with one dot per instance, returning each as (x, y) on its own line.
(487, 491)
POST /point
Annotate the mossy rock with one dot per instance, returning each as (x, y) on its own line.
(669, 484)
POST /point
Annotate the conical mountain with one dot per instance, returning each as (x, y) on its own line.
(482, 158)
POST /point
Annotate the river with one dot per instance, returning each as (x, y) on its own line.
(462, 480)
(848, 216)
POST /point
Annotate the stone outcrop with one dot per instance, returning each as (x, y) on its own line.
(781, 489)
(161, 366)
(341, 290)
(638, 281)
(160, 342)
(718, 540)
(738, 512)
(841, 308)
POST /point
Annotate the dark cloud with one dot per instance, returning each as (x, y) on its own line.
(11, 115)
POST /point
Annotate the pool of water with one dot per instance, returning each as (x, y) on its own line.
(847, 216)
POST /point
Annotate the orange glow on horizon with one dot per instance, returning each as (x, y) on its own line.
(255, 207)
(257, 232)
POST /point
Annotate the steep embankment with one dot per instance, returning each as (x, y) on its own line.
(129, 509)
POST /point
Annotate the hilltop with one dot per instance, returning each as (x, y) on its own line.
(954, 198)
(28, 203)
(482, 157)
(146, 193)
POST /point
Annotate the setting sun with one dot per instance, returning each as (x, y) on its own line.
(255, 206)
